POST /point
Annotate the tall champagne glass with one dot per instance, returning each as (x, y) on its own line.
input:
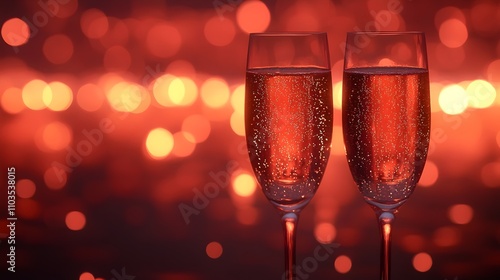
(386, 120)
(288, 122)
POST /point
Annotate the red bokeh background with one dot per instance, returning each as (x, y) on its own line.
(124, 122)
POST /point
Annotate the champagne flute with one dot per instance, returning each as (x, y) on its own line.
(386, 120)
(288, 122)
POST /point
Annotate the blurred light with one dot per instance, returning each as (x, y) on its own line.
(453, 99)
(446, 13)
(58, 49)
(325, 232)
(161, 90)
(163, 40)
(33, 94)
(238, 99)
(219, 31)
(25, 188)
(481, 94)
(493, 71)
(460, 214)
(12, 100)
(90, 97)
(214, 250)
(253, 16)
(128, 97)
(198, 126)
(429, 175)
(301, 17)
(190, 92)
(57, 96)
(337, 95)
(237, 122)
(343, 264)
(435, 89)
(176, 91)
(75, 220)
(215, 92)
(55, 178)
(184, 144)
(483, 16)
(117, 58)
(94, 23)
(86, 276)
(181, 67)
(15, 32)
(449, 59)
(159, 143)
(413, 243)
(446, 236)
(490, 173)
(453, 33)
(56, 136)
(337, 146)
(422, 262)
(244, 184)
(117, 33)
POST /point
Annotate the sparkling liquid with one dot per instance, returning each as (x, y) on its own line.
(386, 124)
(288, 118)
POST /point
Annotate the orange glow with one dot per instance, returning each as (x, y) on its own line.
(163, 40)
(56, 136)
(460, 214)
(25, 188)
(435, 91)
(12, 100)
(128, 97)
(413, 243)
(86, 276)
(422, 262)
(159, 143)
(219, 31)
(253, 16)
(58, 49)
(184, 144)
(325, 232)
(172, 91)
(481, 94)
(15, 32)
(343, 264)
(238, 99)
(90, 97)
(453, 33)
(32, 94)
(190, 92)
(214, 250)
(490, 173)
(215, 92)
(94, 23)
(446, 13)
(244, 184)
(493, 71)
(117, 58)
(337, 95)
(453, 99)
(237, 122)
(446, 236)
(161, 90)
(55, 178)
(197, 126)
(429, 175)
(75, 220)
(181, 68)
(176, 91)
(337, 146)
(57, 96)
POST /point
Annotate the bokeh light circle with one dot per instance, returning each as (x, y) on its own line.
(58, 49)
(422, 262)
(453, 33)
(75, 220)
(15, 32)
(214, 250)
(159, 143)
(460, 214)
(219, 32)
(253, 16)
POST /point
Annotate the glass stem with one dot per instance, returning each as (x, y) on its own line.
(289, 221)
(385, 219)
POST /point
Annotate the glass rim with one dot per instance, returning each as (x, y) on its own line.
(386, 32)
(287, 34)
